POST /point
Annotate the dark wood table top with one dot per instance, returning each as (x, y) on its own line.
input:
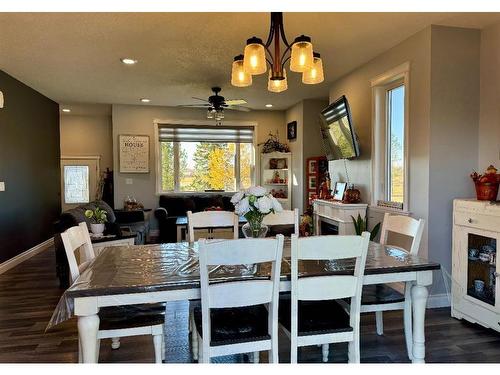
(174, 266)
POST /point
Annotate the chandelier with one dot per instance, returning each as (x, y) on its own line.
(257, 55)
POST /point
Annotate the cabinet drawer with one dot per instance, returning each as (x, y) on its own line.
(474, 220)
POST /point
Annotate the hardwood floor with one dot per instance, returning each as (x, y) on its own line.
(30, 292)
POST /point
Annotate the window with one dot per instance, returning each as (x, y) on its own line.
(204, 158)
(76, 184)
(390, 139)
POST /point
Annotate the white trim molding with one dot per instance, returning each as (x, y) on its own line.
(18, 259)
(380, 84)
(435, 301)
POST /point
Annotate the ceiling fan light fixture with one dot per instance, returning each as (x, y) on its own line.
(254, 59)
(277, 84)
(239, 77)
(315, 74)
(302, 58)
(210, 113)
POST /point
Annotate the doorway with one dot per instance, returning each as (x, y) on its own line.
(79, 180)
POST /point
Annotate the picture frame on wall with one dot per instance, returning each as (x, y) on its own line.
(291, 130)
(312, 182)
(133, 153)
(312, 166)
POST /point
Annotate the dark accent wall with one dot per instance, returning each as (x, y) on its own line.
(29, 166)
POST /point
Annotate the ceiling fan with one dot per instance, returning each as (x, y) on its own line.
(216, 104)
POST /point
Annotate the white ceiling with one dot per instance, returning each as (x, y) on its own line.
(74, 57)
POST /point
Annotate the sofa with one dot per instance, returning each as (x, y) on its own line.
(117, 221)
(172, 206)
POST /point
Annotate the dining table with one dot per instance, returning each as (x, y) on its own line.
(139, 274)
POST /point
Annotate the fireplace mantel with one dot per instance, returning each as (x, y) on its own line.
(337, 214)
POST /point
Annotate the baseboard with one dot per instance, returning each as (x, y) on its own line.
(18, 259)
(438, 300)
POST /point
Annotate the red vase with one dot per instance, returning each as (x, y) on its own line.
(486, 191)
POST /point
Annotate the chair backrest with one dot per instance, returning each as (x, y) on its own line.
(328, 287)
(240, 293)
(77, 238)
(404, 225)
(211, 219)
(285, 217)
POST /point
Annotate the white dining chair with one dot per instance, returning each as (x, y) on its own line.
(311, 315)
(239, 316)
(211, 220)
(115, 322)
(382, 297)
(285, 217)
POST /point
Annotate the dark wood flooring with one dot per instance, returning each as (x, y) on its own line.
(30, 292)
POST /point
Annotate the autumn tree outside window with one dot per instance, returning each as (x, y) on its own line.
(204, 158)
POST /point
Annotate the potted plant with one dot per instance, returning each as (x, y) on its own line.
(99, 216)
(360, 226)
(254, 204)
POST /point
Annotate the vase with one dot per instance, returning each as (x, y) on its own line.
(257, 230)
(97, 229)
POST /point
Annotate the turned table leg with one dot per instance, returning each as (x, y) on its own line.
(419, 295)
(88, 327)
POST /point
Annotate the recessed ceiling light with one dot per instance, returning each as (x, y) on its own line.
(128, 61)
(145, 100)
(269, 105)
(66, 110)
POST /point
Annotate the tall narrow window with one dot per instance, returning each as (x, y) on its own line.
(395, 144)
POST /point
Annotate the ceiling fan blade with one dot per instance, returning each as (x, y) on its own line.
(238, 108)
(195, 105)
(203, 100)
(235, 101)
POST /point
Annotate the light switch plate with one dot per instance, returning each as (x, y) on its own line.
(128, 181)
(2, 186)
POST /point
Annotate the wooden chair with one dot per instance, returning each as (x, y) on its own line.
(211, 220)
(312, 316)
(232, 318)
(381, 297)
(115, 322)
(285, 217)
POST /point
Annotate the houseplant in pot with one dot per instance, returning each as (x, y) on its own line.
(254, 203)
(99, 217)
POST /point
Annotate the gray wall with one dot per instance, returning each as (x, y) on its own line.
(29, 166)
(296, 113)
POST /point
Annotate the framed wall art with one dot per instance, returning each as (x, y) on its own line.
(291, 130)
(133, 153)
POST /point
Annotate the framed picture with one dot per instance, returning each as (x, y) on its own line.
(291, 130)
(133, 153)
(312, 166)
(277, 163)
(312, 182)
(338, 193)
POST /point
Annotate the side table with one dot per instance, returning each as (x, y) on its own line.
(99, 243)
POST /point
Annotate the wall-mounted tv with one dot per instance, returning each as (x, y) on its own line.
(337, 131)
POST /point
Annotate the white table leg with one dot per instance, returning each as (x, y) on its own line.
(88, 326)
(419, 295)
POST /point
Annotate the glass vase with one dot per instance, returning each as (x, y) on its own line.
(254, 230)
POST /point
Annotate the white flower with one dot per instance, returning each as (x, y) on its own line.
(276, 204)
(242, 207)
(264, 204)
(258, 191)
(237, 197)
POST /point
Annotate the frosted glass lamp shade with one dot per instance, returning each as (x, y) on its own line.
(254, 61)
(315, 74)
(238, 76)
(277, 85)
(302, 54)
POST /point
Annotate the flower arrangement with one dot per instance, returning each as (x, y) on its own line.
(254, 203)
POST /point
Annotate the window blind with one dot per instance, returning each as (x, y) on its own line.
(209, 134)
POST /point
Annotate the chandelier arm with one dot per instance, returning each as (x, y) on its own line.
(282, 32)
(284, 62)
(271, 31)
(284, 53)
(269, 59)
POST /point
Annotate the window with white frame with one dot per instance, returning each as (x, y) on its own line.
(205, 158)
(390, 139)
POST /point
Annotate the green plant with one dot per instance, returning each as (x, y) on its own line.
(99, 215)
(360, 225)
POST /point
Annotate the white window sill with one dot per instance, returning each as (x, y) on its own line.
(389, 210)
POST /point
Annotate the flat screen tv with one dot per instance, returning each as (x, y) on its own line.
(337, 131)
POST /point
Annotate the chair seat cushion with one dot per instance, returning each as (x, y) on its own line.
(235, 325)
(379, 294)
(119, 317)
(315, 317)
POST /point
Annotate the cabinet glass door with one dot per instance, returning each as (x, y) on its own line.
(481, 267)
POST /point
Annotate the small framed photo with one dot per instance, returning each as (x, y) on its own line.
(291, 130)
(312, 166)
(338, 193)
(312, 182)
(278, 163)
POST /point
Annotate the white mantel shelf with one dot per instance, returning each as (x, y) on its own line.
(338, 214)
